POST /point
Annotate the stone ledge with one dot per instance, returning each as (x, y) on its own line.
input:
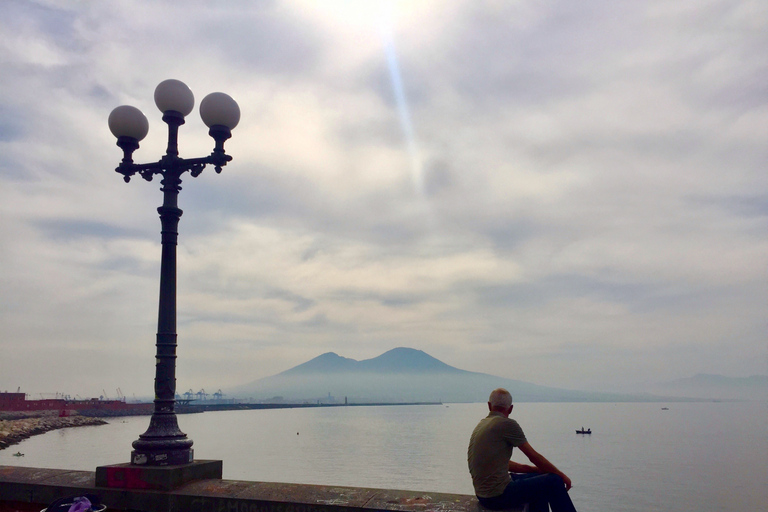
(42, 486)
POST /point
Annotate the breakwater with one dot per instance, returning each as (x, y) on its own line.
(13, 431)
(236, 406)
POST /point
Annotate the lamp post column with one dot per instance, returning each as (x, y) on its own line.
(163, 442)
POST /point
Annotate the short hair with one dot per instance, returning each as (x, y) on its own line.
(500, 398)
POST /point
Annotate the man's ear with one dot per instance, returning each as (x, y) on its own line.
(510, 409)
(490, 407)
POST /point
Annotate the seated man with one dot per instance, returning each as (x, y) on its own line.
(490, 449)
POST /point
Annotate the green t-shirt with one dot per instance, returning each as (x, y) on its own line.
(489, 452)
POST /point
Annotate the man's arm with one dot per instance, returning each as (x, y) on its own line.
(516, 467)
(543, 464)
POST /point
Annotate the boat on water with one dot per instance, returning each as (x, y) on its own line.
(18, 454)
(582, 431)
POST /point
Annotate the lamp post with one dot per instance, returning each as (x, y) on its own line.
(164, 443)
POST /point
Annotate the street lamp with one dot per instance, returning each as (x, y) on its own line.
(164, 443)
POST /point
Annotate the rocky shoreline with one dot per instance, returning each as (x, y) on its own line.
(13, 430)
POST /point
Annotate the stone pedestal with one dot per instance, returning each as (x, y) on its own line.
(159, 478)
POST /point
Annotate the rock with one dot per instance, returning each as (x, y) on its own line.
(16, 430)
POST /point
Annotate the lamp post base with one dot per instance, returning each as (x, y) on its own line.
(162, 457)
(163, 444)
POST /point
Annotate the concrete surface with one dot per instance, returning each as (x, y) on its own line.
(31, 489)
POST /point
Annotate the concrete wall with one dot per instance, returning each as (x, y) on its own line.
(31, 489)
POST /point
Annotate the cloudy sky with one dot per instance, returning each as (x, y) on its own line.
(568, 193)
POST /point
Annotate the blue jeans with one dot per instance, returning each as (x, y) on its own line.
(539, 491)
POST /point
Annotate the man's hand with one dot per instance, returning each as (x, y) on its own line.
(543, 464)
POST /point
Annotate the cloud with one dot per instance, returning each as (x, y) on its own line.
(578, 202)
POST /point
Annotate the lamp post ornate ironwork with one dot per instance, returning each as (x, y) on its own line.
(164, 443)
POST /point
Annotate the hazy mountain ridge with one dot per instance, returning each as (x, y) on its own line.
(328, 362)
(407, 360)
(709, 378)
(717, 387)
(398, 360)
(404, 375)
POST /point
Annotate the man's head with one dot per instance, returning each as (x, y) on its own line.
(501, 401)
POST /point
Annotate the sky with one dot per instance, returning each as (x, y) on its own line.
(572, 194)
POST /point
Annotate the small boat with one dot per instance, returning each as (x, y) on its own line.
(18, 454)
(582, 431)
(665, 408)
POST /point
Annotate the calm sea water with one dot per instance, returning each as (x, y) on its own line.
(693, 457)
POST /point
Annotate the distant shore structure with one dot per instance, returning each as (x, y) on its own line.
(17, 402)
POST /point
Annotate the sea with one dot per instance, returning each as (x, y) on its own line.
(640, 457)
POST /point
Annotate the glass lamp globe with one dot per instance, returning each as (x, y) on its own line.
(174, 95)
(128, 121)
(219, 109)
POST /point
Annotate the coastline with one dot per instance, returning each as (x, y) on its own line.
(14, 428)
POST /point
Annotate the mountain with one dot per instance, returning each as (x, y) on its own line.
(326, 363)
(402, 375)
(717, 387)
(397, 361)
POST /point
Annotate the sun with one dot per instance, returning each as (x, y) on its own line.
(357, 14)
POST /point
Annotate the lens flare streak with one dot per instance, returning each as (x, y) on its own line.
(402, 106)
